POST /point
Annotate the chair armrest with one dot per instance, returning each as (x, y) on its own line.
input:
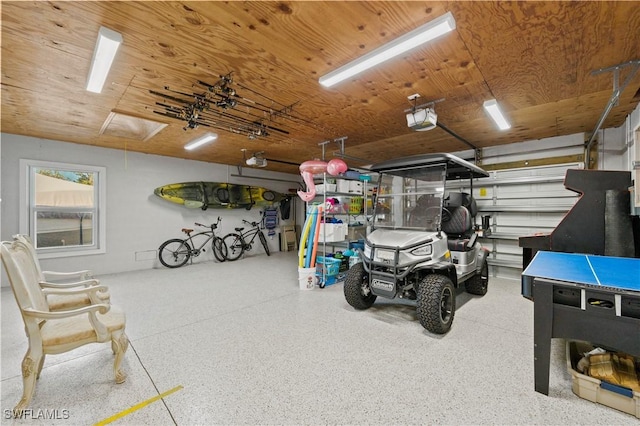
(34, 313)
(97, 294)
(76, 290)
(81, 275)
(86, 283)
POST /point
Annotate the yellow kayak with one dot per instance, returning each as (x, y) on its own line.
(217, 195)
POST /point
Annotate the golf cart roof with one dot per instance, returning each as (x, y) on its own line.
(457, 168)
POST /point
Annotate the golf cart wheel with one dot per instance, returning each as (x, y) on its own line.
(436, 303)
(479, 283)
(356, 288)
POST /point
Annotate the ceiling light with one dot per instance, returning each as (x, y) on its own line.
(494, 111)
(103, 55)
(420, 35)
(206, 138)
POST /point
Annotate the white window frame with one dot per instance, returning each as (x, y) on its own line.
(27, 207)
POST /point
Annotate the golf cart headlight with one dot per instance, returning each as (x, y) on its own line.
(425, 250)
(367, 250)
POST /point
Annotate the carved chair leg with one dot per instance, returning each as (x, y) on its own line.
(119, 344)
(30, 363)
(40, 366)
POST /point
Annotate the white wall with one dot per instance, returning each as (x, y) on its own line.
(137, 220)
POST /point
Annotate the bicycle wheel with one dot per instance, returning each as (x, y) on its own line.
(174, 253)
(234, 245)
(263, 240)
(219, 249)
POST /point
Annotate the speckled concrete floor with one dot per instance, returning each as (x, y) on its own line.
(243, 345)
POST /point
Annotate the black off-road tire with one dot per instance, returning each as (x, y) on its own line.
(356, 288)
(478, 284)
(174, 253)
(436, 303)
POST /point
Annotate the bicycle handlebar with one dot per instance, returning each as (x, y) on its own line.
(212, 226)
(254, 224)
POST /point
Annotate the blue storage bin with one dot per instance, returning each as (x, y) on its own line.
(327, 266)
(328, 280)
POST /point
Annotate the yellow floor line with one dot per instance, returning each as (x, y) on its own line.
(137, 407)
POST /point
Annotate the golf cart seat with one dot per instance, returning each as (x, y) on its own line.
(457, 199)
(459, 226)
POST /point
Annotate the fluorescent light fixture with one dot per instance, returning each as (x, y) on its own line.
(103, 55)
(206, 138)
(494, 111)
(420, 35)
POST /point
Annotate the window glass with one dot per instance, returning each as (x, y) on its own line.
(64, 203)
(410, 199)
(64, 207)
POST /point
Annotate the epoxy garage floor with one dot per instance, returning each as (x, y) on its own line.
(239, 343)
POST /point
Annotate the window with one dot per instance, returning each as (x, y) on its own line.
(63, 207)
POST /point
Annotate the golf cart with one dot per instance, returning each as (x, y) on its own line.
(423, 243)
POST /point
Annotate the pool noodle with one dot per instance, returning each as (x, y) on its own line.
(312, 228)
(305, 244)
(303, 237)
(316, 240)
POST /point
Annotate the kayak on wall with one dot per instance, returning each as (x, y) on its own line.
(218, 195)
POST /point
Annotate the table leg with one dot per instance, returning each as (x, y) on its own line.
(542, 333)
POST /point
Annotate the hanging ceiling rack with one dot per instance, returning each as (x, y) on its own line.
(615, 97)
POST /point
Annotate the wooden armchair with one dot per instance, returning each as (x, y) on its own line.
(51, 332)
(61, 280)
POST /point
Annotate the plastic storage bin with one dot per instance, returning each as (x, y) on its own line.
(355, 232)
(342, 186)
(595, 390)
(328, 266)
(355, 187)
(325, 187)
(326, 280)
(356, 205)
(332, 232)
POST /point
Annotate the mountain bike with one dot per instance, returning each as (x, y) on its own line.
(239, 243)
(176, 252)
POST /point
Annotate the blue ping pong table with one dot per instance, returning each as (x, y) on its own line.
(582, 297)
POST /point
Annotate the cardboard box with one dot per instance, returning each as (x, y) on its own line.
(596, 390)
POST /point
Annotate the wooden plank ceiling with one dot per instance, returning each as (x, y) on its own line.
(535, 58)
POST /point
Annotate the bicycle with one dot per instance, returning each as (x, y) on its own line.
(175, 252)
(238, 243)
